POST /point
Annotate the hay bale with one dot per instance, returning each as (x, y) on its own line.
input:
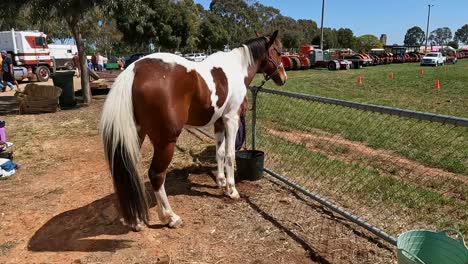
(42, 91)
(9, 105)
(38, 99)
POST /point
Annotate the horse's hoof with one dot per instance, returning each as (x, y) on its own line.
(176, 223)
(137, 228)
(233, 195)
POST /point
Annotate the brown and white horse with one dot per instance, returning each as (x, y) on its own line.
(161, 94)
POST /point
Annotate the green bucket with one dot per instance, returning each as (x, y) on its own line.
(429, 247)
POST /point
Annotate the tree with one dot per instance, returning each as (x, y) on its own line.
(414, 36)
(309, 30)
(100, 31)
(166, 23)
(266, 15)
(54, 28)
(453, 44)
(290, 31)
(213, 35)
(330, 39)
(71, 12)
(462, 34)
(239, 18)
(345, 38)
(18, 21)
(441, 36)
(367, 42)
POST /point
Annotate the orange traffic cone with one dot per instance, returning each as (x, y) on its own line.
(437, 85)
(390, 75)
(421, 72)
(359, 79)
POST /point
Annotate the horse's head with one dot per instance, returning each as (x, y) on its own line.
(271, 65)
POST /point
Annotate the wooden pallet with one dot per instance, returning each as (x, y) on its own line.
(106, 79)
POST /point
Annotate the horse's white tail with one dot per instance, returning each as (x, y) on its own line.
(122, 148)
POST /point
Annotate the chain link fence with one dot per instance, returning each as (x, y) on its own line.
(383, 169)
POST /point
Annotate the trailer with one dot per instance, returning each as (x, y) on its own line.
(63, 55)
(30, 54)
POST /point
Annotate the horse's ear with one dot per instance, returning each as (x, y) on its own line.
(258, 34)
(273, 38)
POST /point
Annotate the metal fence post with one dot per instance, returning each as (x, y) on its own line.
(254, 91)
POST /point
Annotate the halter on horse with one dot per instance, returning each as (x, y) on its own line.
(160, 94)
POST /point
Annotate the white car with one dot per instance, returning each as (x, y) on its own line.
(195, 56)
(433, 58)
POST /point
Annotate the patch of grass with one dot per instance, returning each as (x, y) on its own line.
(6, 247)
(364, 189)
(407, 90)
(432, 144)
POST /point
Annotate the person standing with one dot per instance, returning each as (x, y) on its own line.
(76, 64)
(7, 68)
(100, 61)
(94, 62)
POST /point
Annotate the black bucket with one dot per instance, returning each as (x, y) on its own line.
(249, 164)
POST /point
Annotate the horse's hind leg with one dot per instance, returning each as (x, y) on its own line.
(163, 153)
(231, 123)
(220, 152)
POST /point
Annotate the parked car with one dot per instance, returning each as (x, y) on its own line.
(433, 58)
(133, 58)
(195, 56)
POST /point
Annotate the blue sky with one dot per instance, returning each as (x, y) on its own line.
(375, 17)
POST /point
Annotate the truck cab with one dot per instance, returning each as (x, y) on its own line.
(29, 52)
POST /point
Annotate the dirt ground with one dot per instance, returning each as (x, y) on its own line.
(60, 208)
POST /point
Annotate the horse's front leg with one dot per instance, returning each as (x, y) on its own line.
(220, 152)
(231, 123)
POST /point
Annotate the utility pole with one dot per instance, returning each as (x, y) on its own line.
(321, 26)
(427, 28)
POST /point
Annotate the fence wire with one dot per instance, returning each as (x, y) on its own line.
(398, 173)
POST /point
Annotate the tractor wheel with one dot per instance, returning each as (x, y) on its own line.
(43, 73)
(331, 66)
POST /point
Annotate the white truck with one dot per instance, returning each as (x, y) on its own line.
(30, 54)
(63, 55)
(433, 58)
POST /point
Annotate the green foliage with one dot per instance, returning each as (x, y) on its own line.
(166, 23)
(213, 35)
(441, 36)
(345, 38)
(171, 25)
(453, 44)
(330, 39)
(365, 43)
(462, 34)
(414, 36)
(309, 30)
(239, 19)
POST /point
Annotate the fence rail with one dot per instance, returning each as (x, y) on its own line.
(444, 119)
(365, 161)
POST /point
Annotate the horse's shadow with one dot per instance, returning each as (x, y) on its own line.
(77, 229)
(72, 230)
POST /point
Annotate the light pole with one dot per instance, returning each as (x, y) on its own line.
(427, 28)
(321, 26)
